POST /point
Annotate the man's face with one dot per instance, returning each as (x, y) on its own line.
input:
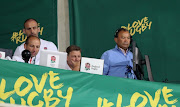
(74, 56)
(31, 28)
(33, 46)
(123, 39)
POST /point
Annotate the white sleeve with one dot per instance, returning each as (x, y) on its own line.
(47, 45)
(19, 50)
(52, 46)
(17, 58)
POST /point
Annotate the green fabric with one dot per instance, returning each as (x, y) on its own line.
(84, 90)
(93, 24)
(15, 12)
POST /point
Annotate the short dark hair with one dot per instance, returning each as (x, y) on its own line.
(73, 48)
(31, 36)
(119, 30)
(29, 20)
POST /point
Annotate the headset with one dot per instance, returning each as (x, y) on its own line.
(122, 29)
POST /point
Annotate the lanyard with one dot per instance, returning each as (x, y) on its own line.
(30, 60)
(33, 60)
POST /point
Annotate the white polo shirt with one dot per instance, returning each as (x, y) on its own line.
(32, 60)
(45, 45)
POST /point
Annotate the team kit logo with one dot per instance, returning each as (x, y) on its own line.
(87, 66)
(53, 59)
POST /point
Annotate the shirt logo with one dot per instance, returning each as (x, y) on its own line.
(87, 66)
(45, 48)
(53, 59)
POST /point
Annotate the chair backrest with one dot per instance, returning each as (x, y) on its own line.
(8, 52)
(150, 76)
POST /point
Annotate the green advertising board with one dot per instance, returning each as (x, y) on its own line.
(34, 85)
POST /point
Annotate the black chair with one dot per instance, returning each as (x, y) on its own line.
(8, 52)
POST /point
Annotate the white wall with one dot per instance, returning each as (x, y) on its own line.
(63, 25)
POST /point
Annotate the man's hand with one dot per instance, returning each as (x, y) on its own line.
(76, 65)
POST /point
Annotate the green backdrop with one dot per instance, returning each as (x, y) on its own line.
(15, 12)
(156, 25)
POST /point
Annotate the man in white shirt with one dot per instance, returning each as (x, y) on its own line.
(33, 45)
(73, 58)
(31, 28)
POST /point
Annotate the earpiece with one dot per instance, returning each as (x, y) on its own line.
(121, 29)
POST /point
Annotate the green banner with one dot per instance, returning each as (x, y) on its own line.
(15, 12)
(153, 24)
(33, 85)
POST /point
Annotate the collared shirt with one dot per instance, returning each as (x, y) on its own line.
(123, 51)
(115, 62)
(32, 60)
(67, 67)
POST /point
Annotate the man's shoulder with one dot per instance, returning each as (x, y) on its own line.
(21, 46)
(18, 50)
(130, 52)
(67, 67)
(45, 41)
(48, 44)
(108, 52)
(17, 58)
